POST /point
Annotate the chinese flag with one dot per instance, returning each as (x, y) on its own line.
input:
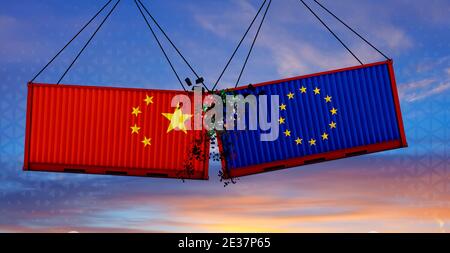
(121, 131)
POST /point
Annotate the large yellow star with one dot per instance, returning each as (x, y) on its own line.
(312, 142)
(327, 99)
(298, 141)
(290, 95)
(177, 119)
(287, 133)
(281, 120)
(324, 136)
(148, 100)
(283, 107)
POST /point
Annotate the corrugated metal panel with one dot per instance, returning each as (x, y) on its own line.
(368, 119)
(88, 130)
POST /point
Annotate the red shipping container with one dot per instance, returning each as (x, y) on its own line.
(118, 131)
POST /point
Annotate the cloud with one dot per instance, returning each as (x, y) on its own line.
(13, 44)
(436, 80)
(432, 12)
(224, 24)
(7, 22)
(15, 35)
(436, 88)
(429, 65)
(359, 198)
(376, 21)
(361, 193)
(304, 58)
(295, 44)
(394, 37)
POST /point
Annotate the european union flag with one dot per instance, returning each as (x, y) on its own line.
(322, 116)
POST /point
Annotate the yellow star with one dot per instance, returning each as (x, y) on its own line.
(283, 107)
(327, 99)
(287, 133)
(312, 142)
(290, 95)
(177, 119)
(324, 136)
(136, 111)
(316, 91)
(333, 111)
(298, 141)
(148, 100)
(135, 129)
(303, 89)
(281, 120)
(147, 142)
(332, 124)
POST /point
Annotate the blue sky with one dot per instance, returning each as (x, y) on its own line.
(401, 190)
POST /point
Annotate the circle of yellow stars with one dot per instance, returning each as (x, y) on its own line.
(332, 125)
(177, 120)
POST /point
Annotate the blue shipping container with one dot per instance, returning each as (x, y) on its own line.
(323, 116)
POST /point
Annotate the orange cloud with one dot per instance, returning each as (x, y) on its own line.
(353, 199)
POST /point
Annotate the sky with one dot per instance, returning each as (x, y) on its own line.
(405, 190)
